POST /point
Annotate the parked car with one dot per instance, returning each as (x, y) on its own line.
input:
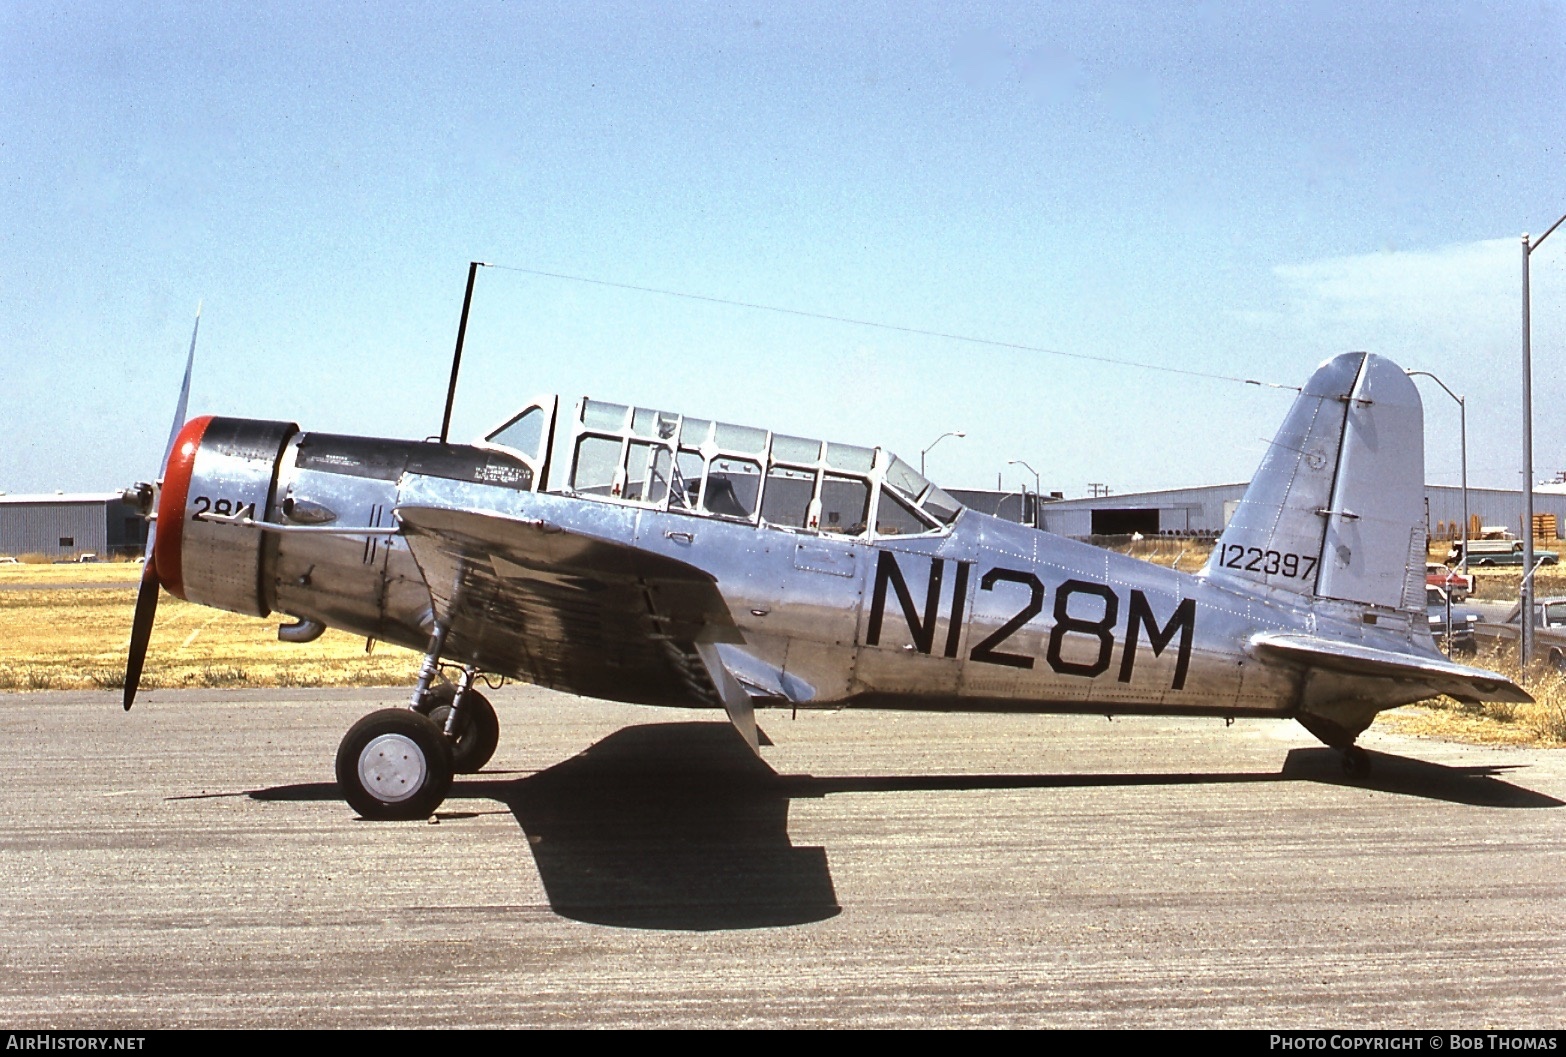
(1496, 552)
(1451, 626)
(1451, 581)
(1549, 636)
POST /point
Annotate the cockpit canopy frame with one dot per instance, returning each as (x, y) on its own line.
(662, 460)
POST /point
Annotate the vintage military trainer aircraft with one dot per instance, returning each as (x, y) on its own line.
(670, 560)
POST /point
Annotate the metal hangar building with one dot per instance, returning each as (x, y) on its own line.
(62, 526)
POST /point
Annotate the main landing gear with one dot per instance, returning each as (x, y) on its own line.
(394, 764)
(398, 763)
(474, 728)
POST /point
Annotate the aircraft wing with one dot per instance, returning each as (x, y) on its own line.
(570, 611)
(1439, 674)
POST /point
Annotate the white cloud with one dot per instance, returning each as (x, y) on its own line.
(1455, 310)
(1468, 292)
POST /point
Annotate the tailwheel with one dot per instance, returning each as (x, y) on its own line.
(394, 764)
(478, 727)
(1356, 762)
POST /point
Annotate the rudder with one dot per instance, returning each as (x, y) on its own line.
(1336, 509)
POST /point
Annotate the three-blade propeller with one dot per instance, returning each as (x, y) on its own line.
(147, 593)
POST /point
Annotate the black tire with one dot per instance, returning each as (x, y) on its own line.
(478, 728)
(1557, 659)
(394, 764)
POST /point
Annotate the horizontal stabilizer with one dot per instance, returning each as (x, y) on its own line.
(1439, 674)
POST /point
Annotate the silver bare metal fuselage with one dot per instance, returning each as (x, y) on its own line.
(988, 615)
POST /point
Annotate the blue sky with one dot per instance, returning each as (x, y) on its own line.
(1236, 189)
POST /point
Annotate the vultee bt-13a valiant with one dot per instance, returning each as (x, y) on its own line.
(649, 556)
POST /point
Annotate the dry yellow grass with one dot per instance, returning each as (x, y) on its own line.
(1185, 555)
(1542, 723)
(77, 638)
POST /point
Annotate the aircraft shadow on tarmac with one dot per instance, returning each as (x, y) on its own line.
(680, 826)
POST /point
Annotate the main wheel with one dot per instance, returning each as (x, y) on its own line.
(478, 728)
(394, 764)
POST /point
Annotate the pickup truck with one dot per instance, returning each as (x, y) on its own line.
(1451, 581)
(1497, 552)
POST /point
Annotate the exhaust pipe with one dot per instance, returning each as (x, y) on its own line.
(300, 631)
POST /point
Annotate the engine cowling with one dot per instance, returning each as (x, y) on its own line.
(227, 467)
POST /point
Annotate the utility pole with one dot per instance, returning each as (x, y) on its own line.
(933, 443)
(1037, 516)
(1526, 596)
(1462, 426)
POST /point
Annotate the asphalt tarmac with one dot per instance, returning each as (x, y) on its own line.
(190, 864)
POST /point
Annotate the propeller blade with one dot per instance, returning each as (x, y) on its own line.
(147, 593)
(184, 392)
(141, 626)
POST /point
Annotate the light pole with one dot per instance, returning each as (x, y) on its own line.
(1525, 598)
(1462, 420)
(933, 443)
(1036, 487)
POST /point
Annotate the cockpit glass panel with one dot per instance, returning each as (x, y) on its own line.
(525, 433)
(906, 479)
(647, 473)
(741, 438)
(685, 486)
(786, 501)
(659, 425)
(942, 506)
(595, 465)
(845, 504)
(795, 450)
(599, 415)
(896, 518)
(850, 457)
(732, 488)
(694, 432)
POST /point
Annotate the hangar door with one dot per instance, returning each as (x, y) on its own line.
(1111, 521)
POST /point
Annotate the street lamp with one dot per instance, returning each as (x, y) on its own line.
(933, 443)
(1037, 488)
(1462, 420)
(1525, 598)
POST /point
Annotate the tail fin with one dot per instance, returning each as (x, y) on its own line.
(1337, 508)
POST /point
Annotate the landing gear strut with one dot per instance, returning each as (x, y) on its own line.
(464, 714)
(473, 727)
(398, 763)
